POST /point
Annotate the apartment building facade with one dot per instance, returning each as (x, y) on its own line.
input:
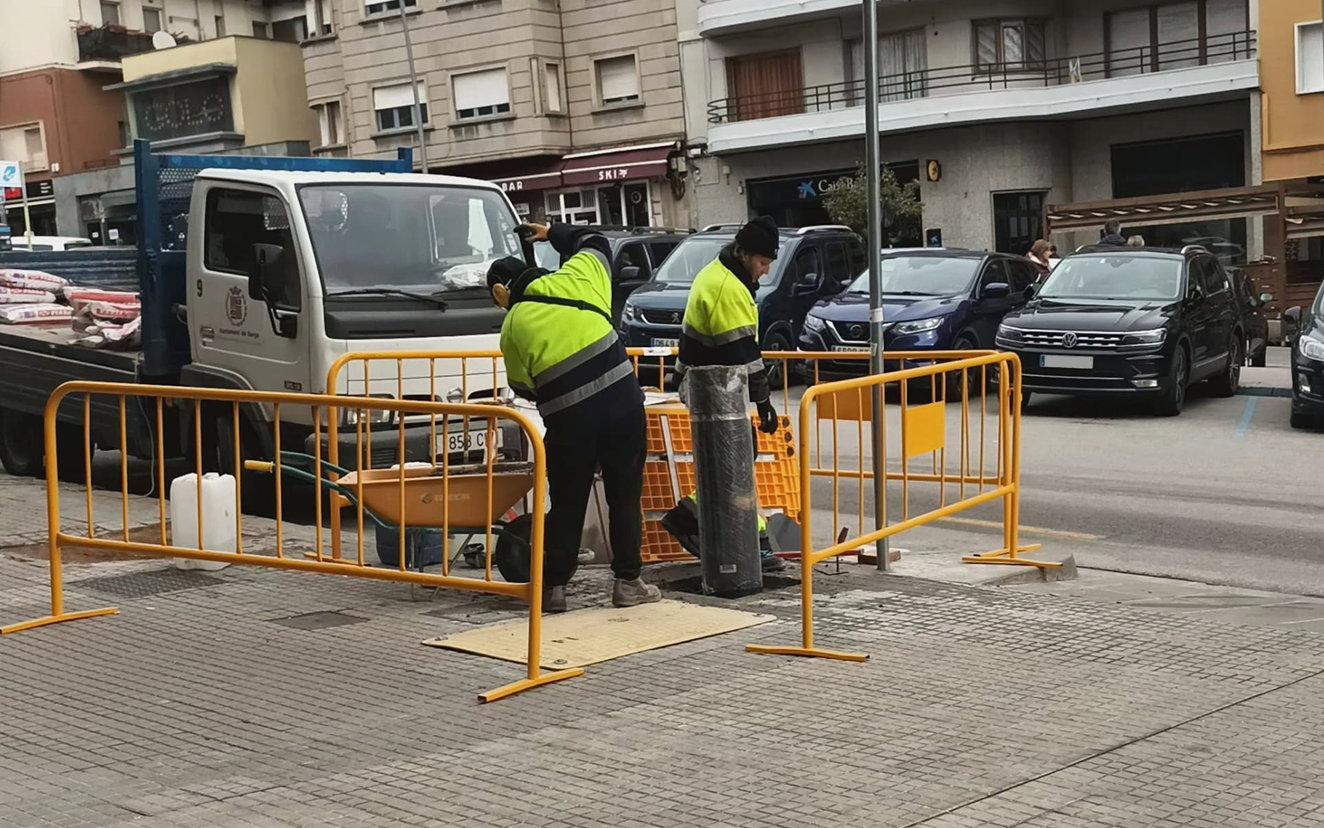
(574, 107)
(57, 116)
(997, 108)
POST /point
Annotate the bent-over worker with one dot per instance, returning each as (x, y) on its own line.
(562, 352)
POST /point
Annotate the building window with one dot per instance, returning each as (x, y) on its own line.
(903, 65)
(110, 14)
(292, 30)
(261, 30)
(220, 25)
(25, 144)
(1177, 35)
(553, 100)
(617, 79)
(1009, 45)
(151, 20)
(373, 7)
(394, 106)
(319, 24)
(483, 94)
(1309, 58)
(331, 119)
(573, 207)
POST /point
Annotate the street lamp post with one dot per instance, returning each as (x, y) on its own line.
(413, 81)
(875, 241)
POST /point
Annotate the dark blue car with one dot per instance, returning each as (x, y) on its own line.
(933, 300)
(814, 263)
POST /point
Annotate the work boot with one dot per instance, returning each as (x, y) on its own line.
(633, 593)
(772, 563)
(553, 599)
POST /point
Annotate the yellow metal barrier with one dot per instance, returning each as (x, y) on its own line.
(919, 430)
(472, 497)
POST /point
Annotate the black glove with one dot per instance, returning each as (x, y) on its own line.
(767, 418)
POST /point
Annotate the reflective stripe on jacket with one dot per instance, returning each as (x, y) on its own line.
(721, 324)
(557, 339)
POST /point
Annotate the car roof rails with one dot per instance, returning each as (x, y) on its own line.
(714, 228)
(1194, 248)
(822, 228)
(682, 231)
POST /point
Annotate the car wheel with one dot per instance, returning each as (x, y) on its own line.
(1227, 383)
(776, 341)
(965, 342)
(1174, 396)
(1300, 419)
(1025, 400)
(21, 444)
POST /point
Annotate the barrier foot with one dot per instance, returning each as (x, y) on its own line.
(55, 619)
(806, 652)
(1007, 558)
(528, 684)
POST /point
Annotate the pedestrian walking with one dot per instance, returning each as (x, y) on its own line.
(1135, 241)
(1112, 234)
(562, 352)
(1040, 255)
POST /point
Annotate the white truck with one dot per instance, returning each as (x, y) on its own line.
(257, 274)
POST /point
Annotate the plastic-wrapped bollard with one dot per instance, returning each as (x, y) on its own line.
(724, 468)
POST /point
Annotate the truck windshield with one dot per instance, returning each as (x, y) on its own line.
(415, 237)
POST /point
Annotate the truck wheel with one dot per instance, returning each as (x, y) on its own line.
(22, 442)
(69, 453)
(258, 489)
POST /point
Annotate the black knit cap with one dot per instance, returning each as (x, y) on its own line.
(759, 237)
(504, 271)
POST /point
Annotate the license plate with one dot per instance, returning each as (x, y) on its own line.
(474, 440)
(1075, 363)
(665, 343)
(849, 349)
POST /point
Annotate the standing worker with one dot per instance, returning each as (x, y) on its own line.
(721, 327)
(562, 352)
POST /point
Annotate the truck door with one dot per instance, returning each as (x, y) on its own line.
(232, 330)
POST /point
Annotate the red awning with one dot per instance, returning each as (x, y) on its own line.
(546, 179)
(616, 165)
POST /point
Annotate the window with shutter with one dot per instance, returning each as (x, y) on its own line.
(1129, 42)
(1179, 35)
(1009, 45)
(481, 94)
(394, 106)
(1227, 27)
(1309, 58)
(552, 88)
(618, 80)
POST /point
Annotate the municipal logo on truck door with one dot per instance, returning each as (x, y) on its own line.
(236, 306)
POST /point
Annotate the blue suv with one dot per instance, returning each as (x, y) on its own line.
(933, 300)
(813, 264)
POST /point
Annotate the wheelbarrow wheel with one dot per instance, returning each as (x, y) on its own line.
(512, 551)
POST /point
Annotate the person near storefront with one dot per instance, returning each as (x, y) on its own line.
(562, 353)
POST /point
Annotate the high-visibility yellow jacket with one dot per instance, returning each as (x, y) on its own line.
(721, 324)
(560, 348)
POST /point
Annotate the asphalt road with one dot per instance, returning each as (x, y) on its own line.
(1227, 493)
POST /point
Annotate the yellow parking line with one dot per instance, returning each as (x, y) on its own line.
(1026, 530)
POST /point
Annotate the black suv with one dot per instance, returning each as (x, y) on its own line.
(814, 263)
(1130, 320)
(1308, 363)
(636, 253)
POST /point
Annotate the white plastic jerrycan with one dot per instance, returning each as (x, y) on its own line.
(218, 531)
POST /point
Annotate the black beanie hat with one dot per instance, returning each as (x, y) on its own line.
(504, 271)
(759, 237)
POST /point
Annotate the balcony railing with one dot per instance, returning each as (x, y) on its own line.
(1141, 60)
(106, 43)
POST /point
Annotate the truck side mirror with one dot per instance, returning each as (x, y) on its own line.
(629, 274)
(266, 258)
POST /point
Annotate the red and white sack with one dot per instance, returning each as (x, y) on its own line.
(79, 296)
(33, 279)
(111, 311)
(35, 314)
(24, 296)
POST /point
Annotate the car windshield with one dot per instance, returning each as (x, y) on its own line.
(922, 276)
(423, 238)
(546, 256)
(1129, 278)
(693, 255)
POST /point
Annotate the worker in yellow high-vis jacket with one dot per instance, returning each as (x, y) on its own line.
(562, 352)
(721, 325)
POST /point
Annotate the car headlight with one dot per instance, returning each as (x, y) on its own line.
(917, 326)
(370, 416)
(1154, 337)
(1009, 333)
(815, 323)
(628, 312)
(1311, 348)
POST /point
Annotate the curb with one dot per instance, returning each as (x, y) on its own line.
(1263, 391)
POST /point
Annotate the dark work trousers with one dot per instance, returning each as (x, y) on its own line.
(576, 447)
